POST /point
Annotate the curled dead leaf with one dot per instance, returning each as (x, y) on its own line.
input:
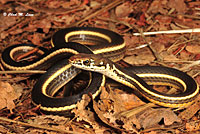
(152, 117)
(84, 114)
(8, 95)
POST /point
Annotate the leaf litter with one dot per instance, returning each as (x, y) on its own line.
(117, 110)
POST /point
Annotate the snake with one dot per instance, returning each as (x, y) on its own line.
(94, 49)
(153, 75)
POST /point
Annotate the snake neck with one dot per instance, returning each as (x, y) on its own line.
(121, 75)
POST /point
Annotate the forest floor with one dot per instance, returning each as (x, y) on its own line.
(156, 33)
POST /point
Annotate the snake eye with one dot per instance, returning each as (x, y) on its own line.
(86, 62)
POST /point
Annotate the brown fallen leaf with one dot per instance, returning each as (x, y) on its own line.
(152, 117)
(114, 102)
(51, 121)
(86, 115)
(168, 56)
(54, 4)
(128, 124)
(6, 22)
(195, 48)
(184, 55)
(163, 19)
(179, 5)
(193, 125)
(102, 117)
(17, 31)
(3, 129)
(45, 119)
(140, 56)
(158, 6)
(123, 101)
(8, 95)
(123, 10)
(129, 117)
(36, 38)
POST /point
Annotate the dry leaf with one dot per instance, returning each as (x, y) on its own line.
(36, 38)
(83, 114)
(8, 95)
(123, 101)
(185, 55)
(195, 49)
(54, 4)
(153, 116)
(16, 31)
(45, 119)
(193, 126)
(158, 6)
(101, 115)
(114, 102)
(141, 56)
(58, 122)
(86, 115)
(168, 57)
(179, 5)
(123, 10)
(128, 124)
(66, 19)
(45, 24)
(3, 35)
(163, 19)
(7, 22)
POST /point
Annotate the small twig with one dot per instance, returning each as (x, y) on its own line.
(23, 71)
(181, 49)
(155, 53)
(194, 63)
(27, 54)
(37, 126)
(138, 47)
(195, 75)
(196, 30)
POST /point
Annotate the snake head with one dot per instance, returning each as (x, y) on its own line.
(90, 62)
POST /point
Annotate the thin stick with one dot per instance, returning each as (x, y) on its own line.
(155, 53)
(23, 71)
(194, 63)
(196, 30)
(37, 126)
